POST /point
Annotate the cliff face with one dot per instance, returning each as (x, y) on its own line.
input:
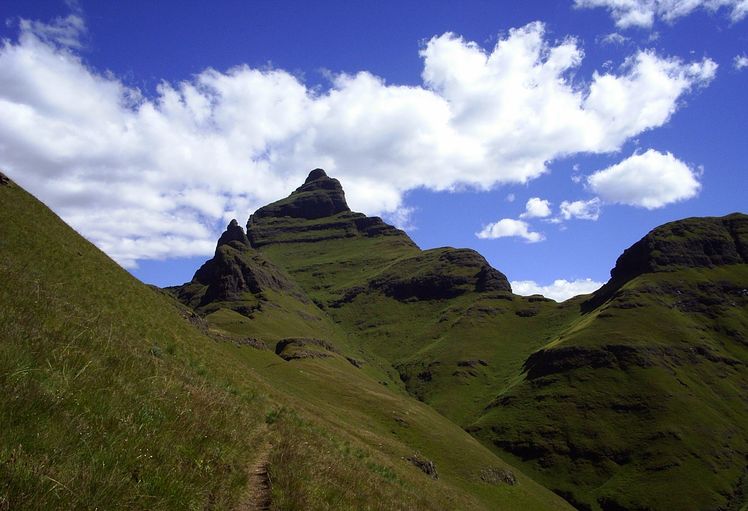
(705, 242)
(689, 243)
(237, 273)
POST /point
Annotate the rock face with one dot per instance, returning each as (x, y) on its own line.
(691, 243)
(426, 466)
(318, 197)
(233, 233)
(235, 270)
(439, 274)
(703, 242)
(316, 211)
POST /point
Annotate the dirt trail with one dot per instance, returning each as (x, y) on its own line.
(257, 495)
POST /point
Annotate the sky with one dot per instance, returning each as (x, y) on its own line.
(548, 136)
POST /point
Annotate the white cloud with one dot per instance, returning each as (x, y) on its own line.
(402, 218)
(65, 32)
(740, 61)
(650, 180)
(642, 13)
(614, 38)
(560, 290)
(536, 208)
(580, 209)
(507, 228)
(132, 172)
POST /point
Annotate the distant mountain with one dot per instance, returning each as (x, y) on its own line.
(640, 402)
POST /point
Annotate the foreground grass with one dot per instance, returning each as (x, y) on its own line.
(110, 400)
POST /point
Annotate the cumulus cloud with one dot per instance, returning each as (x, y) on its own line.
(642, 13)
(157, 175)
(740, 61)
(559, 290)
(537, 208)
(580, 209)
(507, 228)
(649, 180)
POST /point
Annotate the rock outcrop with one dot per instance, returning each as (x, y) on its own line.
(703, 242)
(235, 271)
(316, 211)
(438, 274)
(318, 197)
(233, 232)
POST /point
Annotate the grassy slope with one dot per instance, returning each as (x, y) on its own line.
(112, 400)
(670, 412)
(602, 436)
(424, 339)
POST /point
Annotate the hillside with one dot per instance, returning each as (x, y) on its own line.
(632, 398)
(115, 396)
(641, 402)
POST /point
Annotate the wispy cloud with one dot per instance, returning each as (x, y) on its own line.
(643, 13)
(509, 228)
(580, 209)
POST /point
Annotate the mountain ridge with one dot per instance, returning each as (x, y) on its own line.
(481, 355)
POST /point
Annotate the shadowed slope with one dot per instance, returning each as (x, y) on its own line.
(647, 391)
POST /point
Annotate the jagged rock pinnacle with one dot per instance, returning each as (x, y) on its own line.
(233, 232)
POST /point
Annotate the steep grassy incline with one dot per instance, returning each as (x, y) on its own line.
(116, 397)
(642, 403)
(109, 398)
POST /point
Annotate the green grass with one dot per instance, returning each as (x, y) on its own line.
(621, 432)
(112, 400)
(667, 433)
(109, 399)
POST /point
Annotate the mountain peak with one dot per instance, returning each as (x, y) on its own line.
(320, 196)
(315, 175)
(700, 242)
(233, 232)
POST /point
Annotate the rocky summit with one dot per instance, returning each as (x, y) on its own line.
(318, 197)
(316, 211)
(236, 274)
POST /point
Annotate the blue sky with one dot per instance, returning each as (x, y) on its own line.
(147, 125)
